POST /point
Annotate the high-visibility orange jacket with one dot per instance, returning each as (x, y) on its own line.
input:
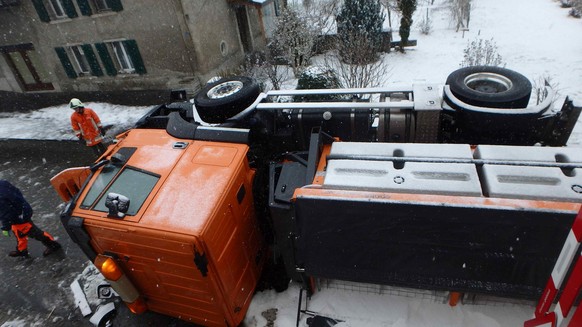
(87, 125)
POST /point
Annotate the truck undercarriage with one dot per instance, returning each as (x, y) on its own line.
(462, 188)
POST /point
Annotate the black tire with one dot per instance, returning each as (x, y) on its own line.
(218, 101)
(492, 87)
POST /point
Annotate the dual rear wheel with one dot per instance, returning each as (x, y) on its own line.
(220, 100)
(491, 87)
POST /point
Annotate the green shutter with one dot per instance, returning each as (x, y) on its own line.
(85, 7)
(92, 59)
(70, 9)
(115, 5)
(66, 62)
(133, 51)
(41, 11)
(106, 59)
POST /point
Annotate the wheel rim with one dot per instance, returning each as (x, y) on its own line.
(489, 83)
(225, 89)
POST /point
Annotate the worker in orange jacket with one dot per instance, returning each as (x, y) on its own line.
(87, 126)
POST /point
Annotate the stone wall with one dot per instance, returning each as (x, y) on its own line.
(22, 102)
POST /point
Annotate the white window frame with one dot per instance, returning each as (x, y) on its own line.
(124, 63)
(80, 60)
(56, 7)
(101, 5)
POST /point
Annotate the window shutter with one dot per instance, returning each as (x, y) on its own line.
(92, 59)
(106, 59)
(115, 5)
(41, 11)
(85, 7)
(66, 62)
(133, 52)
(70, 9)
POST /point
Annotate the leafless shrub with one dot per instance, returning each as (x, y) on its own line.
(292, 42)
(293, 39)
(481, 52)
(566, 3)
(363, 74)
(539, 90)
(460, 11)
(321, 14)
(425, 24)
(575, 7)
(263, 66)
(229, 72)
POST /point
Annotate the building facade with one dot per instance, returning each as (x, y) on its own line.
(124, 45)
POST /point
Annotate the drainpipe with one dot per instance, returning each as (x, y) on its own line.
(186, 35)
(262, 24)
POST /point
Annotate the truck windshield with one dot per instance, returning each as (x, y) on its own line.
(132, 183)
(102, 180)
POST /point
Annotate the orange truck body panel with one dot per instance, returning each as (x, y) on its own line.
(201, 206)
(68, 182)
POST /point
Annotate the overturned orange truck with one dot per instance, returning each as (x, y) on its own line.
(465, 187)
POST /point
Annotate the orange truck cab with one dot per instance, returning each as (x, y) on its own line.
(176, 219)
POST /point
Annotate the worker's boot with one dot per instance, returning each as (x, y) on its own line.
(51, 247)
(16, 253)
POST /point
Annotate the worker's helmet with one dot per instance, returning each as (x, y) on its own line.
(76, 103)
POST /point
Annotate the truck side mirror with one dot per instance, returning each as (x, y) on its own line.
(117, 204)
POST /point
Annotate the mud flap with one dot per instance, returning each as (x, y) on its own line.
(316, 320)
(322, 321)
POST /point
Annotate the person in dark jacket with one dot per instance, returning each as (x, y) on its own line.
(16, 214)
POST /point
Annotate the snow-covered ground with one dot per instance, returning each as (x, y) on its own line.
(535, 37)
(54, 123)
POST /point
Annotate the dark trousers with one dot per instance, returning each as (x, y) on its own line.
(26, 230)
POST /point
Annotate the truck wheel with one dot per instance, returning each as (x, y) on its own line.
(225, 98)
(492, 87)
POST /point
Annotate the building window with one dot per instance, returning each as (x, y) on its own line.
(124, 63)
(223, 48)
(6, 3)
(79, 60)
(58, 9)
(90, 7)
(101, 5)
(27, 67)
(81, 63)
(121, 57)
(48, 10)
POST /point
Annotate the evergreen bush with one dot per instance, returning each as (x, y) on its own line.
(359, 30)
(407, 8)
(317, 78)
